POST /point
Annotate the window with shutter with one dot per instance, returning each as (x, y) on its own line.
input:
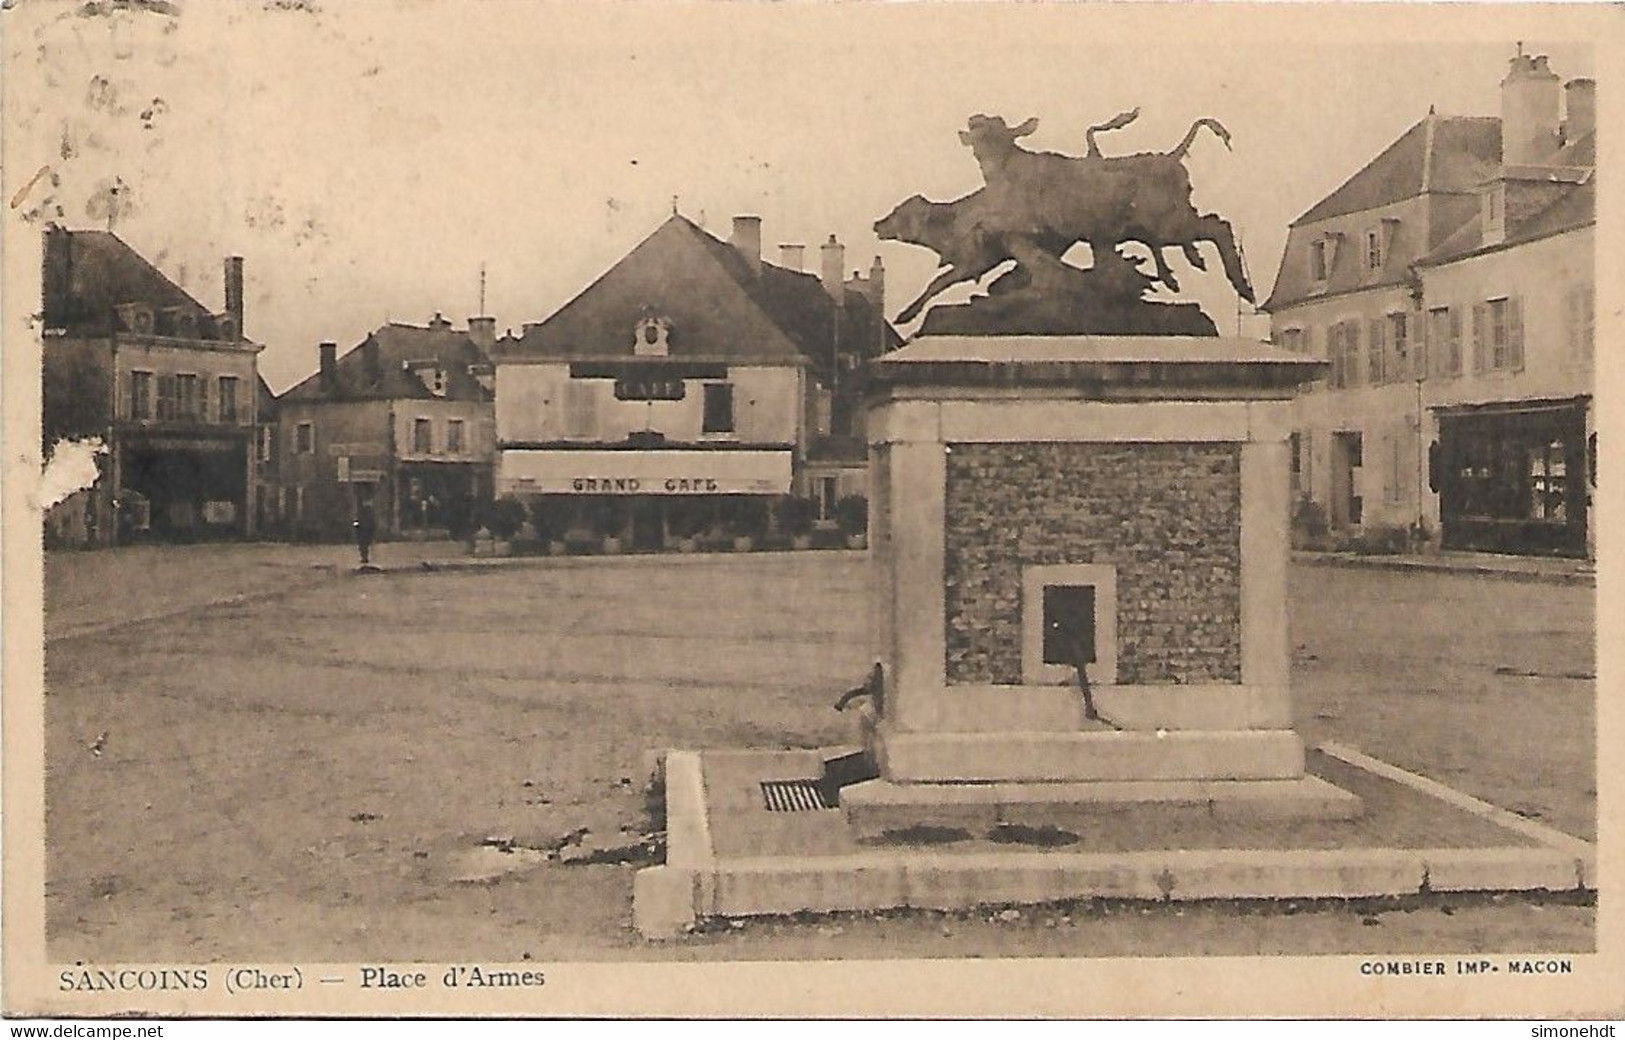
(1480, 319)
(580, 406)
(1398, 347)
(1334, 354)
(1514, 334)
(1455, 342)
(1351, 347)
(1376, 351)
(141, 395)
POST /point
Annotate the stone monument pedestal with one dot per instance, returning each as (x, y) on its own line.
(1131, 492)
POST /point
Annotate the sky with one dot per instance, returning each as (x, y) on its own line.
(367, 158)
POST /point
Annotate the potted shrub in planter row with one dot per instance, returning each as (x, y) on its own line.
(852, 516)
(796, 516)
(607, 524)
(749, 523)
(683, 523)
(549, 524)
(503, 519)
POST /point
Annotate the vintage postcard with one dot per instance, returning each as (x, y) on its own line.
(828, 509)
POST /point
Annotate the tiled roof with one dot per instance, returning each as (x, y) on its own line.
(377, 369)
(1438, 154)
(719, 305)
(101, 272)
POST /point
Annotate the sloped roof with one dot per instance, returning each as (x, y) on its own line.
(377, 369)
(1439, 154)
(1574, 209)
(89, 273)
(720, 306)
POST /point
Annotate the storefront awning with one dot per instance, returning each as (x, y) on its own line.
(543, 472)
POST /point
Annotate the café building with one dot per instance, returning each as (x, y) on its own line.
(690, 390)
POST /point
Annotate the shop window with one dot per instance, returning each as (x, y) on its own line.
(141, 395)
(719, 408)
(1069, 610)
(422, 436)
(1548, 473)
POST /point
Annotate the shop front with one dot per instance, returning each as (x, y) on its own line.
(182, 488)
(1515, 477)
(650, 498)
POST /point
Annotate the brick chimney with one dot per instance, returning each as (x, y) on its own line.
(483, 331)
(1529, 104)
(234, 293)
(1580, 100)
(439, 323)
(792, 256)
(877, 286)
(329, 367)
(747, 238)
(833, 257)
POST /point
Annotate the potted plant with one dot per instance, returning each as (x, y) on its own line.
(749, 523)
(683, 523)
(852, 516)
(545, 520)
(608, 527)
(796, 516)
(503, 519)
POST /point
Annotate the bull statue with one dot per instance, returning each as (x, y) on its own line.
(1035, 206)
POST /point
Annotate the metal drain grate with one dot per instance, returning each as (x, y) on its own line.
(793, 796)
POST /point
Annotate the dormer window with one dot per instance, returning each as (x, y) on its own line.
(1374, 249)
(1320, 259)
(649, 337)
(1493, 213)
(137, 317)
(432, 376)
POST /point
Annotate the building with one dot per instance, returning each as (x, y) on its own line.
(401, 423)
(692, 385)
(167, 386)
(1449, 283)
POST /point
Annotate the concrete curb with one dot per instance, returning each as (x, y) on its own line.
(665, 898)
(1433, 565)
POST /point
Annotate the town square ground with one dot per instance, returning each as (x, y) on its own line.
(254, 752)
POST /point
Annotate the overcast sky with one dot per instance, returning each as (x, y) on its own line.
(366, 159)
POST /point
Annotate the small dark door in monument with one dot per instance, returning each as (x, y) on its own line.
(1069, 622)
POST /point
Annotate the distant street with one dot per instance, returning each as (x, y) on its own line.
(299, 773)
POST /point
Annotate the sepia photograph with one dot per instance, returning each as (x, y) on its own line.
(831, 509)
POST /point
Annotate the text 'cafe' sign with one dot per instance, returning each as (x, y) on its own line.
(675, 472)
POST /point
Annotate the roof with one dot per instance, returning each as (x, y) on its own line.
(1573, 209)
(88, 274)
(1438, 154)
(378, 368)
(720, 307)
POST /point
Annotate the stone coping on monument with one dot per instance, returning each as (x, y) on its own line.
(1106, 361)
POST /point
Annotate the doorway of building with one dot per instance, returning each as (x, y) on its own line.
(648, 524)
(1347, 460)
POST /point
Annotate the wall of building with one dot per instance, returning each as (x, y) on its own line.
(165, 357)
(479, 430)
(533, 405)
(1166, 515)
(315, 503)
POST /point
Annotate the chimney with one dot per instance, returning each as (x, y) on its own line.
(483, 331)
(439, 323)
(234, 292)
(877, 286)
(1529, 101)
(747, 238)
(834, 261)
(793, 256)
(329, 366)
(1580, 118)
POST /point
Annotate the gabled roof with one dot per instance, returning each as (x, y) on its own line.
(89, 273)
(1452, 154)
(379, 368)
(719, 305)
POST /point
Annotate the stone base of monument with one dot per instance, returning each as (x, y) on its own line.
(735, 850)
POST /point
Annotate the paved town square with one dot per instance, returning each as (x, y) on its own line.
(310, 763)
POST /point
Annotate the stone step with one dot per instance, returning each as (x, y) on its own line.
(1050, 757)
(876, 809)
